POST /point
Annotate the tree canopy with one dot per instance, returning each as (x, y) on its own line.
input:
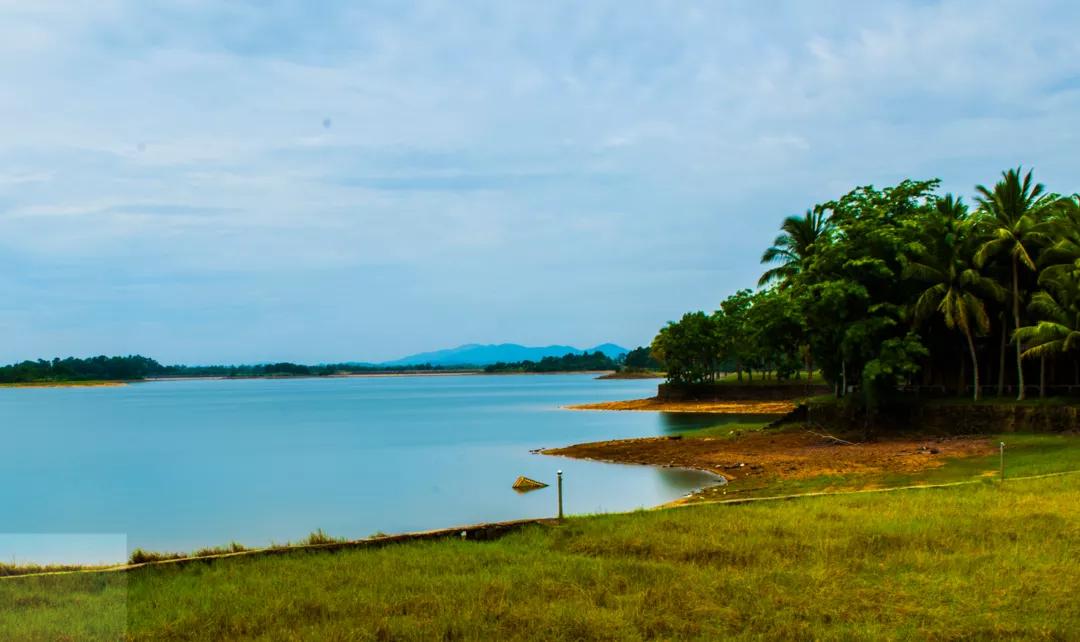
(898, 288)
(586, 361)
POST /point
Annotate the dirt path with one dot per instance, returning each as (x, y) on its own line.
(784, 455)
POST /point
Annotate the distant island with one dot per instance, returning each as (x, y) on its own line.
(140, 368)
(73, 370)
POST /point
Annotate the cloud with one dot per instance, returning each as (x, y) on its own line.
(575, 160)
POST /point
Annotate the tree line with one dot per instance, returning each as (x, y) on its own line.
(883, 290)
(572, 362)
(101, 368)
(137, 367)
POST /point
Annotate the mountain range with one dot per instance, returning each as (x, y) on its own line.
(482, 355)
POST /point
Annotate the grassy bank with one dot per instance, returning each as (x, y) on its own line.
(1026, 455)
(982, 561)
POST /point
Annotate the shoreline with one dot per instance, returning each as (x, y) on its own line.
(653, 404)
(474, 532)
(66, 384)
(356, 375)
(615, 374)
(771, 457)
(350, 375)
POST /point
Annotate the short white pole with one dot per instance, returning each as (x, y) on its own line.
(559, 473)
(1003, 461)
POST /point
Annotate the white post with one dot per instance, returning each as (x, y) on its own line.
(559, 473)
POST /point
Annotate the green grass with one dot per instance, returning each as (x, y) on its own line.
(86, 606)
(1025, 455)
(985, 561)
(732, 379)
(140, 556)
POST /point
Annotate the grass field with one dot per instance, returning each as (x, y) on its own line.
(1026, 455)
(985, 561)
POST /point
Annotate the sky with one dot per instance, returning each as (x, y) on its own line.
(225, 182)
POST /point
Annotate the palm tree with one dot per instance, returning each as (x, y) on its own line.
(1013, 213)
(794, 245)
(1058, 308)
(957, 283)
(1062, 259)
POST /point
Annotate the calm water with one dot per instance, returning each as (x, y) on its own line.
(181, 465)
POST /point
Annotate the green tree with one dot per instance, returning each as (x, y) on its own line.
(641, 358)
(777, 333)
(852, 291)
(1057, 332)
(957, 284)
(1013, 213)
(793, 247)
(688, 347)
(734, 333)
(1056, 307)
(1062, 258)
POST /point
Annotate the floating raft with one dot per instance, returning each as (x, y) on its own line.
(524, 484)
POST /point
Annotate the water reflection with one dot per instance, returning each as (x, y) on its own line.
(678, 422)
(682, 479)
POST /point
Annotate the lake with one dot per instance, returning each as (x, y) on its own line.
(91, 473)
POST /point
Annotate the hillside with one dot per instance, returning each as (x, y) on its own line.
(482, 355)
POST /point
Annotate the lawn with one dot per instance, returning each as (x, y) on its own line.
(985, 561)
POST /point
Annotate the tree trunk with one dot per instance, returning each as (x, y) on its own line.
(1042, 377)
(738, 369)
(1016, 325)
(1001, 361)
(843, 378)
(962, 379)
(974, 364)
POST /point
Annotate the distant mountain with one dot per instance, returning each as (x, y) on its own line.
(481, 355)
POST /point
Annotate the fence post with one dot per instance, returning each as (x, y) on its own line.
(560, 496)
(1003, 461)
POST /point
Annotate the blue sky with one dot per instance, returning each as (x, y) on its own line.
(232, 182)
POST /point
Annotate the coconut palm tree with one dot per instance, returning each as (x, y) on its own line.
(1062, 259)
(1058, 329)
(1013, 213)
(1057, 306)
(957, 285)
(794, 245)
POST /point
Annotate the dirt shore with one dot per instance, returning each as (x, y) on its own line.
(652, 404)
(633, 375)
(781, 455)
